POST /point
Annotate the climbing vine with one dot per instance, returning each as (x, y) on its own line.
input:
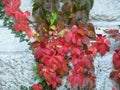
(65, 43)
(8, 21)
(2, 13)
(115, 74)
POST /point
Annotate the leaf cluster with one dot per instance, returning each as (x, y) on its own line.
(2, 13)
(25, 88)
(7, 22)
(54, 14)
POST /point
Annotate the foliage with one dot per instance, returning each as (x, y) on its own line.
(54, 21)
(62, 36)
(20, 18)
(9, 23)
(114, 34)
(25, 88)
(53, 57)
(51, 15)
(2, 13)
(115, 74)
(21, 35)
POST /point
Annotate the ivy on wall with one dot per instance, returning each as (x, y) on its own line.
(62, 35)
(8, 22)
(2, 13)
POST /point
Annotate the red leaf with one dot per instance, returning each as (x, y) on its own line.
(74, 28)
(113, 88)
(116, 59)
(63, 68)
(37, 87)
(91, 30)
(103, 39)
(68, 36)
(112, 74)
(38, 53)
(85, 40)
(20, 16)
(10, 11)
(115, 34)
(16, 3)
(29, 32)
(6, 2)
(115, 75)
(49, 74)
(103, 48)
(116, 63)
(76, 79)
(117, 37)
(90, 82)
(82, 31)
(94, 48)
(103, 44)
(91, 34)
(112, 32)
(35, 44)
(74, 39)
(27, 13)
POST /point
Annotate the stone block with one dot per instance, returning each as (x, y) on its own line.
(8, 43)
(105, 10)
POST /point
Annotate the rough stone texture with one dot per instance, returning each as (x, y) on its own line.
(16, 70)
(8, 43)
(103, 65)
(26, 6)
(107, 10)
(16, 61)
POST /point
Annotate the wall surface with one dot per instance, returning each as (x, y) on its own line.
(16, 61)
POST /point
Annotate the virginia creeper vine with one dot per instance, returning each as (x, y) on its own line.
(62, 36)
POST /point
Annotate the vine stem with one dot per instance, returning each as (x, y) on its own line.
(119, 86)
(78, 87)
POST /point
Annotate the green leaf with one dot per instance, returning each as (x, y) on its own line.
(17, 34)
(30, 88)
(53, 17)
(42, 79)
(53, 27)
(82, 3)
(37, 78)
(23, 35)
(88, 5)
(92, 2)
(23, 87)
(43, 84)
(35, 68)
(49, 88)
(22, 39)
(29, 43)
(75, 6)
(35, 7)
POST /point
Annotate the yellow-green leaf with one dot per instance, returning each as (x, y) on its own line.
(53, 27)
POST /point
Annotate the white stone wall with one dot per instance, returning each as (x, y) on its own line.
(106, 11)
(16, 60)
